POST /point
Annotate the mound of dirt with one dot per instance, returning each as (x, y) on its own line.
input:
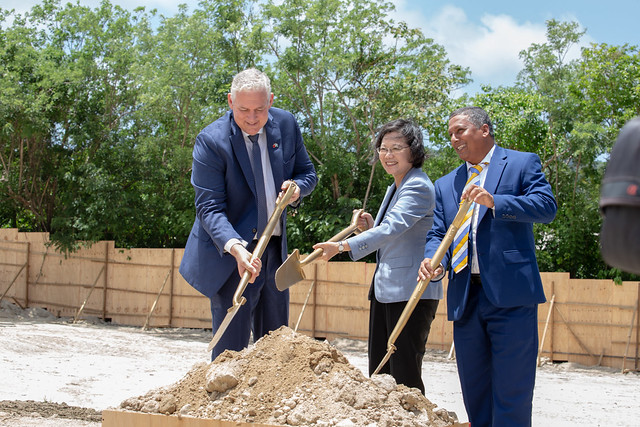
(12, 311)
(12, 408)
(287, 378)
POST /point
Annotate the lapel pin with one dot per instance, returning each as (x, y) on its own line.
(275, 145)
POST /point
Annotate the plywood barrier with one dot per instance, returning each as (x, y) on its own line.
(117, 418)
(113, 418)
(592, 321)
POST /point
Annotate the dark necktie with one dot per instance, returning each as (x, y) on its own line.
(259, 178)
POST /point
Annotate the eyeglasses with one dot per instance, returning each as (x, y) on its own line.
(383, 151)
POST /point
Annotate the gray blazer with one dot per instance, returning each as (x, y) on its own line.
(399, 237)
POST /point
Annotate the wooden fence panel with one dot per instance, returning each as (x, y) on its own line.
(588, 319)
(14, 271)
(625, 339)
(441, 334)
(191, 309)
(591, 322)
(557, 337)
(338, 305)
(137, 278)
(63, 283)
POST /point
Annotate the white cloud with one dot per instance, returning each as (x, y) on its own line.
(490, 47)
(493, 51)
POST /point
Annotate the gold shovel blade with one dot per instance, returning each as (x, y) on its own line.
(290, 272)
(231, 312)
(391, 349)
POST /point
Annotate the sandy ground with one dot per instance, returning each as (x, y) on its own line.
(54, 373)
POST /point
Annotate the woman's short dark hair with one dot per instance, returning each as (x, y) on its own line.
(412, 135)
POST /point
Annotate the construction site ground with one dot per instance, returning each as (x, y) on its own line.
(55, 373)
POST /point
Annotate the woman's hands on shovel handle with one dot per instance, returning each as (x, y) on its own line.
(365, 221)
(330, 249)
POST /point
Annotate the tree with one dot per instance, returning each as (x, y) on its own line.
(29, 156)
(100, 108)
(91, 53)
(345, 69)
(569, 114)
(101, 113)
(607, 86)
(183, 73)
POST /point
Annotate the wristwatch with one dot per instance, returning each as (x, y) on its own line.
(340, 246)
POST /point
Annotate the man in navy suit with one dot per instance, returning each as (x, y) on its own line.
(229, 217)
(494, 283)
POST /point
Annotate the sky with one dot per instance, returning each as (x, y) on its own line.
(485, 36)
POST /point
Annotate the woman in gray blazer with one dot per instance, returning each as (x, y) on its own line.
(398, 236)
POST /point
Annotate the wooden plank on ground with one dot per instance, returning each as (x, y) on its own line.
(113, 418)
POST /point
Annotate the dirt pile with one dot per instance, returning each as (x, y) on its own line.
(9, 409)
(12, 311)
(290, 379)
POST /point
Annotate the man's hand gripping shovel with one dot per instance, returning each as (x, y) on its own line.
(238, 299)
(291, 271)
(422, 285)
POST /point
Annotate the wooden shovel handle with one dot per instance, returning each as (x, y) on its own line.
(341, 235)
(263, 241)
(435, 262)
(422, 284)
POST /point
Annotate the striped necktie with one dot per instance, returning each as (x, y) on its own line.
(461, 240)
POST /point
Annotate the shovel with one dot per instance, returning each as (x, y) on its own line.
(238, 299)
(422, 285)
(291, 271)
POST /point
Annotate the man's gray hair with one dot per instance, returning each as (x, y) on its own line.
(476, 115)
(250, 79)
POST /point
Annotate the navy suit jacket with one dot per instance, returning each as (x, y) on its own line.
(505, 242)
(225, 200)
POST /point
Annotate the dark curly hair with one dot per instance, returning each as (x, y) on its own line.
(412, 135)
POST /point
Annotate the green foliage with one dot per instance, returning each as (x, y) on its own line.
(100, 112)
(100, 108)
(336, 68)
(569, 113)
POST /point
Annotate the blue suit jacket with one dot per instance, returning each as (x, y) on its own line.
(225, 200)
(505, 243)
(399, 239)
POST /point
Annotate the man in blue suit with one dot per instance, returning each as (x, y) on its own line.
(229, 216)
(494, 283)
